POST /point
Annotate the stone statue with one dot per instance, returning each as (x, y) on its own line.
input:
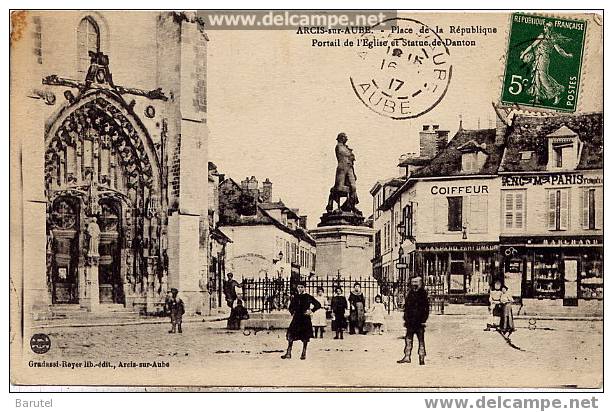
(344, 183)
(93, 233)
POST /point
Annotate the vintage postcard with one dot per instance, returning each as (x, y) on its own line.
(307, 200)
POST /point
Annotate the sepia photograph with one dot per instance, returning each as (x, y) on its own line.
(306, 200)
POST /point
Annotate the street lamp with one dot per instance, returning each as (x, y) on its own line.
(279, 258)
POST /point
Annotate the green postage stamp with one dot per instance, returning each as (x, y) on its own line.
(543, 67)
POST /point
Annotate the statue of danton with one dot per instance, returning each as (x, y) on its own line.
(344, 182)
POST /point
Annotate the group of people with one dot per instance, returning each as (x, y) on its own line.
(310, 314)
(501, 310)
(309, 317)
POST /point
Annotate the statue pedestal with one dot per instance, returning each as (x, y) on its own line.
(89, 290)
(343, 249)
(340, 218)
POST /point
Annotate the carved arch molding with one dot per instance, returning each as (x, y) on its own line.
(98, 153)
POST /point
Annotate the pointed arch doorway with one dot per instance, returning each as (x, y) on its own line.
(106, 230)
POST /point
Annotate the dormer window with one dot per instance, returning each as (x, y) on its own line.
(473, 156)
(564, 149)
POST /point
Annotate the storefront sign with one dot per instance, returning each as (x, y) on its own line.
(512, 243)
(449, 247)
(550, 179)
(459, 190)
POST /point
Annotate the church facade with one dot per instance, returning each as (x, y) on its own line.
(109, 128)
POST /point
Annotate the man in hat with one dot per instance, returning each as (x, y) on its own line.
(416, 311)
(301, 307)
(176, 309)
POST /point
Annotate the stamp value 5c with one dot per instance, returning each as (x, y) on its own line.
(543, 67)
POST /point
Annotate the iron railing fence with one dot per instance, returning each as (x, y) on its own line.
(267, 295)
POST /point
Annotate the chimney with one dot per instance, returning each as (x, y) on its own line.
(267, 191)
(441, 140)
(501, 130)
(303, 221)
(432, 140)
(427, 142)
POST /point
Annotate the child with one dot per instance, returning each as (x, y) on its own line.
(339, 306)
(177, 310)
(495, 307)
(319, 317)
(357, 316)
(237, 314)
(377, 315)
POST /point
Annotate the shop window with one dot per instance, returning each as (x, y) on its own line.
(88, 39)
(547, 275)
(558, 209)
(592, 282)
(592, 208)
(514, 209)
(454, 214)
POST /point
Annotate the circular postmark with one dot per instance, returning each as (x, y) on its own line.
(403, 68)
(40, 343)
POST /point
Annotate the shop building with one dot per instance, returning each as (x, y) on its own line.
(551, 239)
(450, 216)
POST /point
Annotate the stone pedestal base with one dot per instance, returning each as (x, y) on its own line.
(89, 289)
(338, 218)
(343, 249)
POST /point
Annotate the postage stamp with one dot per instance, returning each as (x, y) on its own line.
(543, 67)
(405, 70)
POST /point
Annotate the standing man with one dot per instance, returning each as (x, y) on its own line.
(416, 311)
(177, 309)
(229, 290)
(301, 328)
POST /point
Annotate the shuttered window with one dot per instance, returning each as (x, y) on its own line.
(514, 203)
(592, 208)
(558, 210)
(478, 214)
(454, 213)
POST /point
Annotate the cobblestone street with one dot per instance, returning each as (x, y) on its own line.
(460, 353)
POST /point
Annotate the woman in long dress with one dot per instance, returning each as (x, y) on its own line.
(357, 315)
(301, 307)
(319, 318)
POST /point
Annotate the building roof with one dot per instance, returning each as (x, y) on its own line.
(449, 161)
(530, 133)
(231, 217)
(392, 181)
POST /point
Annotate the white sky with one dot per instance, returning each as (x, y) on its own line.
(276, 105)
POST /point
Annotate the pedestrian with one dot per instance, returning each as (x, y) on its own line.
(229, 290)
(301, 307)
(377, 315)
(319, 318)
(177, 309)
(495, 308)
(237, 314)
(416, 311)
(507, 325)
(339, 307)
(357, 315)
(167, 303)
